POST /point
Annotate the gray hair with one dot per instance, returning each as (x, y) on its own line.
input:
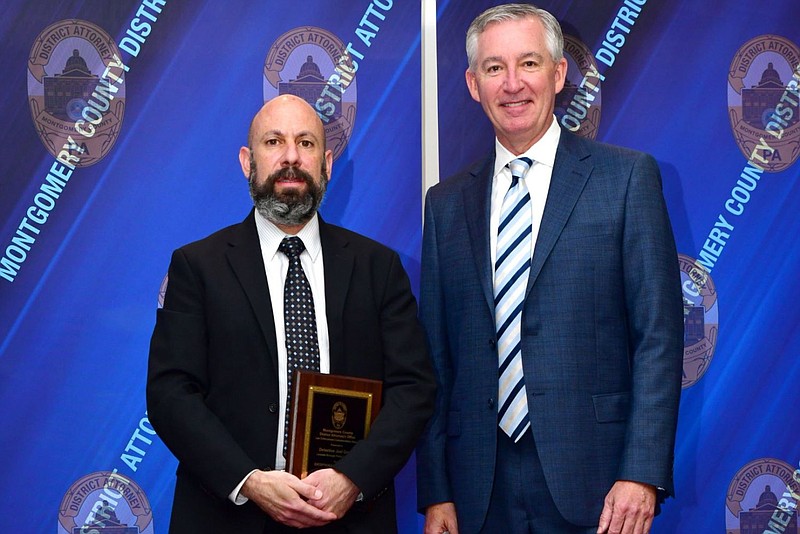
(502, 13)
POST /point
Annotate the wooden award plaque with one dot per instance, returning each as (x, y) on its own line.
(329, 414)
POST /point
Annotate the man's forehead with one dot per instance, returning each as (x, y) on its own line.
(499, 45)
(292, 119)
(529, 26)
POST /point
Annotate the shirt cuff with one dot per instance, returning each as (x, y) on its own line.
(234, 496)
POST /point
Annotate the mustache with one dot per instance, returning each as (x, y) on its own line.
(290, 173)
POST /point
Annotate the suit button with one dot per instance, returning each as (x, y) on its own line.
(492, 342)
(491, 403)
(273, 407)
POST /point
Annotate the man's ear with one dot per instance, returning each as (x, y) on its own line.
(472, 85)
(560, 74)
(329, 163)
(244, 161)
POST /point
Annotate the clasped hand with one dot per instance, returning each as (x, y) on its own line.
(321, 497)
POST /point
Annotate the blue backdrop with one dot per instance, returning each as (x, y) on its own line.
(79, 290)
(669, 74)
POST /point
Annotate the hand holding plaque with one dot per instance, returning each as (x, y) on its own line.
(329, 414)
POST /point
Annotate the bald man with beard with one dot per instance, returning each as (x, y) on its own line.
(217, 378)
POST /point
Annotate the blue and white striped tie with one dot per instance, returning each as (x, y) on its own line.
(513, 263)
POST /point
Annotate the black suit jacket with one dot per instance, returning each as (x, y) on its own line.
(212, 389)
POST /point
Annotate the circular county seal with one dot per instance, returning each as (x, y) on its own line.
(759, 489)
(76, 89)
(700, 319)
(578, 104)
(763, 101)
(102, 500)
(313, 64)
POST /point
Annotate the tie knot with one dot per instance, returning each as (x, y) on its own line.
(519, 167)
(292, 246)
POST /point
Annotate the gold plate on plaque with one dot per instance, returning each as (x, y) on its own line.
(329, 414)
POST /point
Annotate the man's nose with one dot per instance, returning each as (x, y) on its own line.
(291, 156)
(512, 82)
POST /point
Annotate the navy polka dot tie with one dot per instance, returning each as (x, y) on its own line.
(302, 344)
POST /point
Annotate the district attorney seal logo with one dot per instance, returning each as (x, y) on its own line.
(105, 501)
(700, 319)
(763, 101)
(578, 104)
(762, 497)
(313, 64)
(339, 415)
(76, 89)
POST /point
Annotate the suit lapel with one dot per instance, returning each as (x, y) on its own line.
(571, 170)
(338, 259)
(477, 194)
(247, 263)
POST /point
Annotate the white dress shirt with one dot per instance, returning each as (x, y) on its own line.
(276, 265)
(537, 181)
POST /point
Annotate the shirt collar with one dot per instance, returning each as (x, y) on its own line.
(543, 151)
(270, 236)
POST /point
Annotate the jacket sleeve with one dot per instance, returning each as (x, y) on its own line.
(178, 385)
(432, 482)
(655, 316)
(408, 386)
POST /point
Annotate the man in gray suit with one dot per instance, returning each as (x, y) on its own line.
(551, 298)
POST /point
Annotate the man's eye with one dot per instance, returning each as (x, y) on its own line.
(271, 142)
(306, 143)
(494, 69)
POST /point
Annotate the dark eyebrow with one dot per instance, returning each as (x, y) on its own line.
(309, 134)
(302, 134)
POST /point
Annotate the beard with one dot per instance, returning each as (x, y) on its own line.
(288, 208)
